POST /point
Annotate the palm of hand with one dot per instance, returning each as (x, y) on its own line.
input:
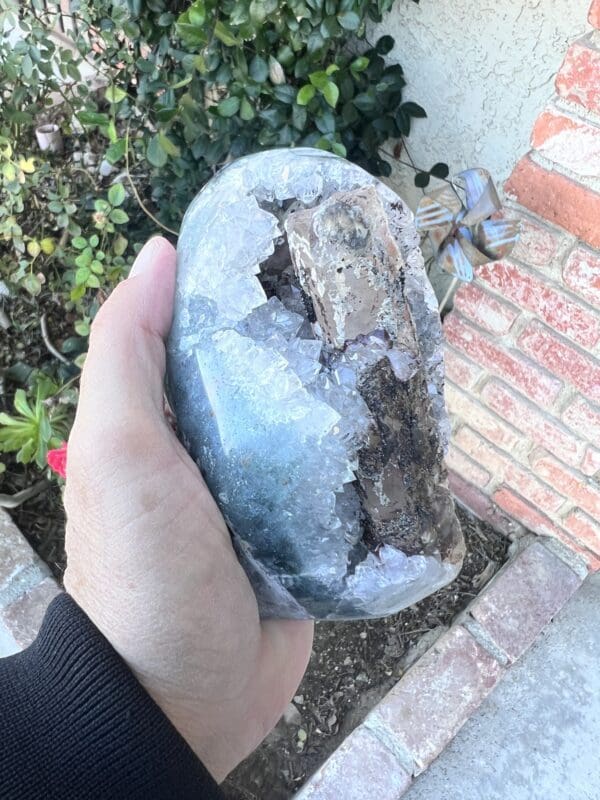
(149, 555)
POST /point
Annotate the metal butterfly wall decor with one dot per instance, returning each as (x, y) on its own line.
(465, 233)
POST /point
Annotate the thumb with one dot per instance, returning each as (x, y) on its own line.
(124, 369)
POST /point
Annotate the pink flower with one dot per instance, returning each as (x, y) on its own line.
(57, 460)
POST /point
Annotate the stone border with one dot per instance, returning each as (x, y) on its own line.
(423, 712)
(26, 589)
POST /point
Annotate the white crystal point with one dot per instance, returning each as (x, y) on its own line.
(305, 368)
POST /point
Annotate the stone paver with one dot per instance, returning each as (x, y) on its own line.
(20, 567)
(537, 737)
(524, 598)
(362, 768)
(23, 618)
(427, 707)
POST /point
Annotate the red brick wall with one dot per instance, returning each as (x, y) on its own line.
(523, 341)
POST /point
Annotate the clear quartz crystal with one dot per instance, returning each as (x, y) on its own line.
(305, 366)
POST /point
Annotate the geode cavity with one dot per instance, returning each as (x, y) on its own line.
(305, 369)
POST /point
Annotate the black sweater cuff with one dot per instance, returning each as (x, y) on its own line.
(75, 724)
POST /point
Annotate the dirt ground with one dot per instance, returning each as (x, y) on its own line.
(352, 666)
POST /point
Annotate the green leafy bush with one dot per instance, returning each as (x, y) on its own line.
(151, 99)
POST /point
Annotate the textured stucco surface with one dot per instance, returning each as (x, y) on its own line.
(537, 736)
(483, 71)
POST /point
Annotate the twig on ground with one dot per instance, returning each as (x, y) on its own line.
(49, 346)
(17, 499)
(136, 193)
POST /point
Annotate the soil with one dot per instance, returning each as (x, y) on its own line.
(353, 665)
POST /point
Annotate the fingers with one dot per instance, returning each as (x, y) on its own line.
(285, 652)
(124, 369)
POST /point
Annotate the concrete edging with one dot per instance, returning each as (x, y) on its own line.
(423, 712)
(26, 589)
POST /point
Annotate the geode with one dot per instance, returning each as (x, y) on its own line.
(305, 368)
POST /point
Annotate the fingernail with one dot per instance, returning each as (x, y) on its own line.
(146, 256)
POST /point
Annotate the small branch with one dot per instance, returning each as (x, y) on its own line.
(136, 193)
(49, 346)
(15, 500)
(448, 294)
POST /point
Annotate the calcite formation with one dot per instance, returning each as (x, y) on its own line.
(305, 368)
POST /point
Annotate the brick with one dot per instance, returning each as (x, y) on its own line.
(568, 142)
(459, 463)
(481, 419)
(504, 468)
(537, 245)
(523, 599)
(547, 302)
(481, 307)
(461, 370)
(585, 530)
(583, 418)
(577, 80)
(24, 616)
(427, 707)
(558, 199)
(583, 493)
(594, 14)
(539, 427)
(582, 274)
(507, 364)
(590, 464)
(554, 353)
(531, 518)
(479, 503)
(361, 767)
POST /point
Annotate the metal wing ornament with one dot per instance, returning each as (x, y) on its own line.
(463, 232)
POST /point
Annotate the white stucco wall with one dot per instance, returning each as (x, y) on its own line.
(483, 70)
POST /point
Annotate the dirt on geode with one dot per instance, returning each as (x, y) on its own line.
(353, 665)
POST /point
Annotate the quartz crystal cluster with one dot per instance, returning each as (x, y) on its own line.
(305, 368)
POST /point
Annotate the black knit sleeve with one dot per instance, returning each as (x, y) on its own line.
(75, 724)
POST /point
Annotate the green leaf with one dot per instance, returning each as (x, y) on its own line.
(155, 153)
(94, 240)
(228, 107)
(33, 284)
(93, 282)
(27, 66)
(79, 242)
(225, 34)
(349, 20)
(120, 245)
(114, 94)
(168, 146)
(116, 194)
(305, 95)
(116, 151)
(359, 64)
(246, 110)
(92, 118)
(331, 93)
(339, 149)
(82, 327)
(258, 69)
(118, 216)
(81, 276)
(319, 79)
(414, 109)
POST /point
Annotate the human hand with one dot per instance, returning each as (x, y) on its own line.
(149, 557)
